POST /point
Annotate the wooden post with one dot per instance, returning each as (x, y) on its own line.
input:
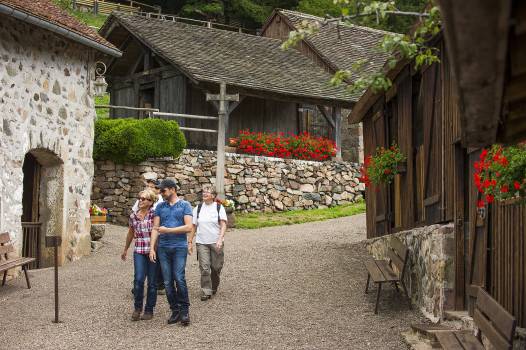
(223, 112)
(337, 117)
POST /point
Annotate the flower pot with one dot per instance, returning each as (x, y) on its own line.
(98, 219)
(230, 149)
(231, 219)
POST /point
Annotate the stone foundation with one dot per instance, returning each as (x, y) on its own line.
(254, 183)
(430, 270)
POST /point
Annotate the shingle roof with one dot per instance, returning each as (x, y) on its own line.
(353, 44)
(242, 60)
(47, 11)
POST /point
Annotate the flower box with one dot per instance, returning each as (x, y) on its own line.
(98, 219)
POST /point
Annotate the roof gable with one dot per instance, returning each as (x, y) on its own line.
(240, 60)
(47, 11)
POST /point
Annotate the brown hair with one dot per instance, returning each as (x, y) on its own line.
(148, 193)
(211, 189)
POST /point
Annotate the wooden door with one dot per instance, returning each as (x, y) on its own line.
(382, 208)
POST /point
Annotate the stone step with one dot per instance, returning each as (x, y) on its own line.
(455, 315)
(429, 330)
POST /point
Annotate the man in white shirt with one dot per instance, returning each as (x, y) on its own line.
(209, 219)
(154, 185)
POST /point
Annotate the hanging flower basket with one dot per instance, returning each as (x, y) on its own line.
(500, 173)
(383, 166)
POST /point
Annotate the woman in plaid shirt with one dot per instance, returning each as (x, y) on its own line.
(140, 228)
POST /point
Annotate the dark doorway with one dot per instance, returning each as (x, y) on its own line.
(31, 227)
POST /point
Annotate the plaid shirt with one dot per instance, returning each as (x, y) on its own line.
(142, 230)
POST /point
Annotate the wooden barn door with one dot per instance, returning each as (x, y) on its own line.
(433, 147)
(383, 213)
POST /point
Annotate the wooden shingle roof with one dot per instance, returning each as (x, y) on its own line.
(353, 43)
(240, 60)
(47, 11)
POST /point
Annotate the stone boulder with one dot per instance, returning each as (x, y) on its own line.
(97, 231)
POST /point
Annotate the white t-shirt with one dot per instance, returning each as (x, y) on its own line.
(208, 226)
(159, 201)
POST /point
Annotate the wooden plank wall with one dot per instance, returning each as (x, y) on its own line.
(370, 196)
(514, 127)
(508, 257)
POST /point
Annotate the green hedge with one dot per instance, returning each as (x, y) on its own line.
(136, 140)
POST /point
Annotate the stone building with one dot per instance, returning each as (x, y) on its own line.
(46, 135)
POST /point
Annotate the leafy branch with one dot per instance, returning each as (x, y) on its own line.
(395, 47)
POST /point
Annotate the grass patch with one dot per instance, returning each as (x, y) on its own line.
(90, 19)
(102, 113)
(259, 220)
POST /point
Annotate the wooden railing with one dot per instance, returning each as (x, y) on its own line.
(31, 242)
(105, 7)
(508, 257)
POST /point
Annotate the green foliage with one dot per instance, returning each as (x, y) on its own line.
(259, 220)
(102, 113)
(90, 19)
(383, 166)
(136, 140)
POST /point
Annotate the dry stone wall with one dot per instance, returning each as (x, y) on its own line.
(429, 274)
(254, 183)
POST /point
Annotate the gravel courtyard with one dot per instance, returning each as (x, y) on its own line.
(293, 287)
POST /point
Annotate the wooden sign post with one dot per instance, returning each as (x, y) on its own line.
(224, 107)
(55, 242)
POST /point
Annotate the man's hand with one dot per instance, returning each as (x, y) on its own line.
(153, 256)
(163, 229)
(190, 248)
(219, 244)
(123, 255)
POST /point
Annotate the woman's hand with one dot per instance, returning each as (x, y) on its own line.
(123, 255)
(219, 244)
(153, 255)
(163, 229)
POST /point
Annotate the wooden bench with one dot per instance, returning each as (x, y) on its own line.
(6, 247)
(381, 271)
(491, 319)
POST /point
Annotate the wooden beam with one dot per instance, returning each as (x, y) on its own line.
(337, 117)
(326, 116)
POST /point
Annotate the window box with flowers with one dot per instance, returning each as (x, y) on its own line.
(229, 208)
(500, 173)
(303, 146)
(383, 166)
(97, 215)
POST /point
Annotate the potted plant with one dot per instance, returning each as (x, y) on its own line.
(232, 145)
(500, 173)
(229, 208)
(383, 166)
(97, 215)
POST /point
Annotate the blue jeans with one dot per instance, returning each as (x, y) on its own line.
(144, 268)
(173, 263)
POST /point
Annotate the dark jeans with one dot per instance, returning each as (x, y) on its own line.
(173, 263)
(144, 269)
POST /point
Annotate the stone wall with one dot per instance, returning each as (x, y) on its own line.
(430, 270)
(46, 109)
(254, 183)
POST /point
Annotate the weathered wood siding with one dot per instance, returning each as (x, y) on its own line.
(280, 29)
(254, 114)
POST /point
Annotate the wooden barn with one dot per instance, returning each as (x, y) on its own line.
(334, 47)
(171, 66)
(440, 116)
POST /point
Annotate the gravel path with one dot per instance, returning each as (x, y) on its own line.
(293, 287)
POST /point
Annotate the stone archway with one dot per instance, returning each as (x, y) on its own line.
(42, 203)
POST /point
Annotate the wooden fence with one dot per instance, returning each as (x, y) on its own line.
(31, 242)
(508, 257)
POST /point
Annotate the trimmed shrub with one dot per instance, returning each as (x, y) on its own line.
(136, 140)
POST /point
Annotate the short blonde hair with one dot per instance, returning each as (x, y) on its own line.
(148, 193)
(211, 189)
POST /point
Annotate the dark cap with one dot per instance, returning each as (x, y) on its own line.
(155, 182)
(169, 183)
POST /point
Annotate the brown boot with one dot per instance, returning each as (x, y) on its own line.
(136, 315)
(147, 316)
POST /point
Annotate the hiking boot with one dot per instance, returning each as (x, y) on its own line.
(185, 319)
(214, 292)
(176, 316)
(147, 316)
(205, 297)
(136, 315)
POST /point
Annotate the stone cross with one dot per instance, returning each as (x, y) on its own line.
(223, 108)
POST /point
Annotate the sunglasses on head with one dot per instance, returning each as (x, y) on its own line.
(144, 199)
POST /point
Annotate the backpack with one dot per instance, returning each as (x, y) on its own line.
(218, 209)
